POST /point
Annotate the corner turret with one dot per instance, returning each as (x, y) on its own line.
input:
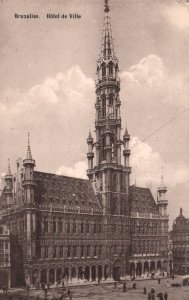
(8, 186)
(28, 182)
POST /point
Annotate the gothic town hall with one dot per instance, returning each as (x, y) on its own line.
(97, 229)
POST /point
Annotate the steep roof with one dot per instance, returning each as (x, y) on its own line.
(142, 200)
(64, 190)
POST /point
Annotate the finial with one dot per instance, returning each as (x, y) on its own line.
(29, 155)
(180, 211)
(106, 9)
(9, 169)
(90, 135)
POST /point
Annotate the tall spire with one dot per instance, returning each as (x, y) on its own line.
(29, 155)
(107, 49)
(9, 169)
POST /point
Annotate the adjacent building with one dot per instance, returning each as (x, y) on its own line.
(180, 244)
(5, 272)
(95, 229)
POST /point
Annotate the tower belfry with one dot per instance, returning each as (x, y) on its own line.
(110, 177)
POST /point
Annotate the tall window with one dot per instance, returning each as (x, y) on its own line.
(46, 252)
(103, 148)
(82, 227)
(61, 251)
(103, 70)
(74, 227)
(74, 251)
(110, 68)
(88, 251)
(82, 251)
(103, 106)
(87, 227)
(46, 225)
(111, 106)
(54, 225)
(69, 251)
(68, 227)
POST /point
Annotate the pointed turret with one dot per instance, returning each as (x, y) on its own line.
(90, 154)
(161, 197)
(126, 151)
(28, 182)
(8, 185)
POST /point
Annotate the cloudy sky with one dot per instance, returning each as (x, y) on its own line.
(47, 87)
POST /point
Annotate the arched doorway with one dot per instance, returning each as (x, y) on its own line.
(106, 272)
(165, 266)
(59, 274)
(139, 269)
(43, 276)
(93, 273)
(146, 267)
(159, 266)
(73, 274)
(35, 275)
(80, 272)
(152, 267)
(51, 276)
(99, 272)
(132, 269)
(87, 271)
(117, 270)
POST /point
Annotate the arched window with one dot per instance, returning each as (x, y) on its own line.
(111, 106)
(103, 106)
(112, 148)
(103, 70)
(110, 69)
(103, 148)
(74, 226)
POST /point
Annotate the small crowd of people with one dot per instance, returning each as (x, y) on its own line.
(152, 295)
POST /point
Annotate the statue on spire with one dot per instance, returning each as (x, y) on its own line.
(106, 9)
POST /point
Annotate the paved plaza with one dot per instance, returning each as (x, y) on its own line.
(110, 292)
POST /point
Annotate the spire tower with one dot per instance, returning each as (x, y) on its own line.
(110, 178)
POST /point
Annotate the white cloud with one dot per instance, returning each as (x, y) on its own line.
(177, 15)
(78, 170)
(150, 81)
(146, 165)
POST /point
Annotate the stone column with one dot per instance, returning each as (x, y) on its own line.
(155, 266)
(70, 275)
(142, 268)
(90, 277)
(96, 267)
(55, 276)
(47, 275)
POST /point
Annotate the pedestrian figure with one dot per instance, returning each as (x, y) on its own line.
(45, 290)
(124, 287)
(134, 286)
(149, 296)
(166, 296)
(144, 290)
(115, 284)
(159, 280)
(48, 285)
(71, 295)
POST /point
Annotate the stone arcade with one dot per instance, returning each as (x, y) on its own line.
(96, 229)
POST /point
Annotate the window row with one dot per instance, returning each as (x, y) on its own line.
(70, 251)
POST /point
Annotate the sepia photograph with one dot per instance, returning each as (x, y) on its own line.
(94, 149)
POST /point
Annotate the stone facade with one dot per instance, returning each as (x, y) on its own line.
(5, 278)
(180, 244)
(96, 229)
